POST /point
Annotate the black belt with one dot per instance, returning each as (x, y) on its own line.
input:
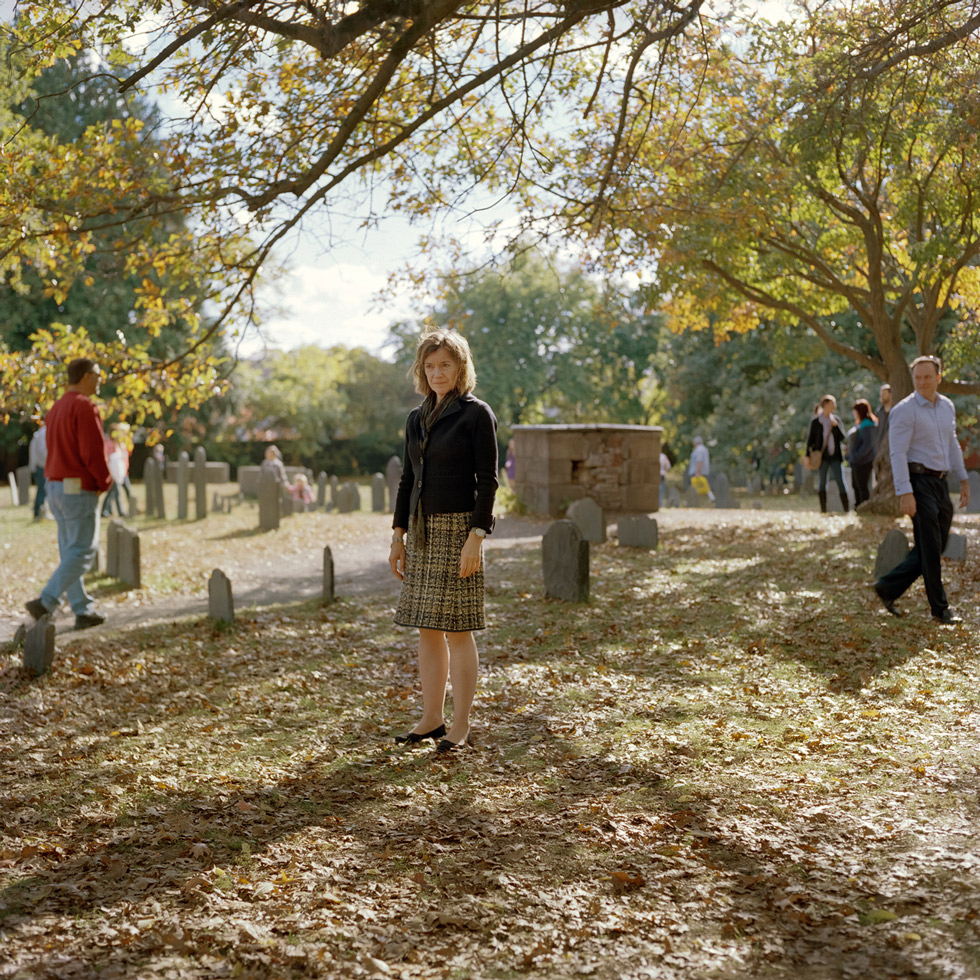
(921, 470)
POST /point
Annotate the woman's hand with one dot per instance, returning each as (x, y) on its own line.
(396, 558)
(469, 558)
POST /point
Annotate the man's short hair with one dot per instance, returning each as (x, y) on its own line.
(78, 368)
(928, 359)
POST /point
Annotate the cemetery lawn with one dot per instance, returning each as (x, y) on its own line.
(731, 762)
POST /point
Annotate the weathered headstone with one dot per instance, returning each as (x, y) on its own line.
(268, 501)
(39, 646)
(565, 560)
(201, 482)
(14, 489)
(349, 498)
(24, 484)
(673, 497)
(637, 531)
(334, 492)
(722, 492)
(328, 595)
(183, 466)
(973, 507)
(955, 549)
(891, 552)
(754, 485)
(393, 475)
(151, 475)
(129, 557)
(321, 490)
(589, 519)
(221, 605)
(378, 487)
(112, 548)
(692, 498)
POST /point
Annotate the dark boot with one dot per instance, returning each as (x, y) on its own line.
(822, 494)
(843, 500)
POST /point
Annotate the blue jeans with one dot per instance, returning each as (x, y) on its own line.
(39, 496)
(78, 535)
(833, 467)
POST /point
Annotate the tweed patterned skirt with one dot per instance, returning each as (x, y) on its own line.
(433, 596)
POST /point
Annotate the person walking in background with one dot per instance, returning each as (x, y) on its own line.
(664, 470)
(861, 444)
(699, 467)
(884, 409)
(445, 506)
(37, 456)
(827, 435)
(117, 456)
(924, 452)
(76, 473)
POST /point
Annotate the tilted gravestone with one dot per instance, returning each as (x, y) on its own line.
(589, 518)
(221, 604)
(129, 558)
(334, 493)
(565, 561)
(24, 484)
(268, 501)
(14, 489)
(378, 488)
(891, 552)
(955, 549)
(321, 490)
(201, 482)
(393, 475)
(973, 507)
(183, 468)
(39, 646)
(328, 595)
(637, 531)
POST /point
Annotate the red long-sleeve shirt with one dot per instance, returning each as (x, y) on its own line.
(76, 443)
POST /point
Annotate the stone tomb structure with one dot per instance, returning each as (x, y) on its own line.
(618, 466)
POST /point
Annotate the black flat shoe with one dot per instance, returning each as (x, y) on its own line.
(446, 746)
(413, 738)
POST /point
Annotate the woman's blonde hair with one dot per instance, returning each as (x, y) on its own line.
(457, 348)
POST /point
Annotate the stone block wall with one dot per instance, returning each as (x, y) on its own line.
(618, 466)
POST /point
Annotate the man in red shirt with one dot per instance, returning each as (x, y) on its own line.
(76, 473)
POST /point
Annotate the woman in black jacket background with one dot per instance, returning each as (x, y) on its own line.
(445, 507)
(827, 434)
(861, 444)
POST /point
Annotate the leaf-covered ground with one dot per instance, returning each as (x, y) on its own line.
(731, 762)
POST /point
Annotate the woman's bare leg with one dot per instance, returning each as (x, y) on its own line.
(464, 665)
(433, 673)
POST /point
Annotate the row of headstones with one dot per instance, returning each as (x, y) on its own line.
(221, 599)
(895, 547)
(632, 530)
(720, 487)
(154, 477)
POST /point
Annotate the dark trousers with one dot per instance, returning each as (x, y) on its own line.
(39, 496)
(931, 524)
(861, 478)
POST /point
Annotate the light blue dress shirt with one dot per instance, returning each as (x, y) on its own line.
(920, 431)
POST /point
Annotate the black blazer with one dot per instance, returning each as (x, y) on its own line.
(459, 472)
(815, 438)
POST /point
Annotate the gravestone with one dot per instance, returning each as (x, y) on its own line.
(14, 489)
(328, 595)
(973, 507)
(334, 493)
(287, 503)
(348, 498)
(378, 487)
(183, 466)
(129, 557)
(722, 491)
(268, 501)
(565, 561)
(891, 552)
(201, 482)
(673, 497)
(221, 605)
(151, 474)
(393, 475)
(955, 549)
(589, 518)
(754, 485)
(637, 531)
(112, 548)
(39, 646)
(692, 498)
(24, 484)
(321, 490)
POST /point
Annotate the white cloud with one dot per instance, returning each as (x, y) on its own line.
(328, 305)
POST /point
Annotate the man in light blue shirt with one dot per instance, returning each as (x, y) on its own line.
(924, 451)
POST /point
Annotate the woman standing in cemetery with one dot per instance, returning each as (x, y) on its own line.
(827, 435)
(861, 444)
(444, 507)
